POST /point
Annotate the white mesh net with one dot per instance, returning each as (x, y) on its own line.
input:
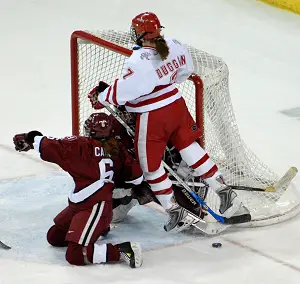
(222, 140)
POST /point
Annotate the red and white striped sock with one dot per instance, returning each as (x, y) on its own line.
(198, 159)
(161, 186)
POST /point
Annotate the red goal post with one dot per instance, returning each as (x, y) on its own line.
(100, 55)
(126, 52)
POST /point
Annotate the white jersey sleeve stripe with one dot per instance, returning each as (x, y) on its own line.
(153, 106)
(153, 100)
(153, 95)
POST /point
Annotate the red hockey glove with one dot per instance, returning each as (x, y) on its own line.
(20, 144)
(93, 95)
(24, 141)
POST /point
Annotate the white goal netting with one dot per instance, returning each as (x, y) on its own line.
(222, 141)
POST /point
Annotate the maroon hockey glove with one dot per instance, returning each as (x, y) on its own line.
(24, 141)
(20, 144)
(93, 95)
(143, 193)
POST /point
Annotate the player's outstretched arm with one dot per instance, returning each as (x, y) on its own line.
(51, 149)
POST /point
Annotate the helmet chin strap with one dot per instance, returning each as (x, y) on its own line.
(139, 40)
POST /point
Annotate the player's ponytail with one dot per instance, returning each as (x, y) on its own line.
(161, 47)
(111, 147)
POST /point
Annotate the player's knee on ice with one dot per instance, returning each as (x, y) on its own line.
(56, 237)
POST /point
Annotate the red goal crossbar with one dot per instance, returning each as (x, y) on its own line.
(199, 112)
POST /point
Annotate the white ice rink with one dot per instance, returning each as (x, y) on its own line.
(261, 46)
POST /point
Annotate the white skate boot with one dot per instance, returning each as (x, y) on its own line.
(179, 219)
(230, 205)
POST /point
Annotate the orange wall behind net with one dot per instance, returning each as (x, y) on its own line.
(290, 5)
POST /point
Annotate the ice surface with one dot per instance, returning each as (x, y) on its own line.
(29, 204)
(261, 46)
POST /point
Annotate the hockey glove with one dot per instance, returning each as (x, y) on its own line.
(24, 141)
(143, 193)
(94, 93)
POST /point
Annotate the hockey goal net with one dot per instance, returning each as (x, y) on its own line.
(100, 55)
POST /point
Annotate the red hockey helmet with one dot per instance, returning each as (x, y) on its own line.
(145, 26)
(98, 126)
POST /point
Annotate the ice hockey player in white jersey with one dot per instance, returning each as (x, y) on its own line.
(148, 88)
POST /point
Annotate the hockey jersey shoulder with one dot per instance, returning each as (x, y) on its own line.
(142, 59)
(57, 150)
(174, 44)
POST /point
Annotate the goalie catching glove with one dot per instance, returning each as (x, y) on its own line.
(94, 93)
(24, 141)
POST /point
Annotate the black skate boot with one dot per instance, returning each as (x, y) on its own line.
(131, 253)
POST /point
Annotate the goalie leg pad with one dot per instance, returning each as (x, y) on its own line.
(187, 201)
(121, 211)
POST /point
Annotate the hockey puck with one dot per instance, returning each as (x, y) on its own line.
(216, 245)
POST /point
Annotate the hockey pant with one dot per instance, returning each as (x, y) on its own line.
(79, 230)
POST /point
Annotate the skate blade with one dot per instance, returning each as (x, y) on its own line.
(209, 229)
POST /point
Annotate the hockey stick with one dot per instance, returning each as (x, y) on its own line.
(235, 187)
(226, 221)
(281, 184)
(4, 246)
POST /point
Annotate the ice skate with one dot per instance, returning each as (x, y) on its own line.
(230, 204)
(131, 253)
(179, 219)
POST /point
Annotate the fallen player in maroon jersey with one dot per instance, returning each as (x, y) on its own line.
(97, 165)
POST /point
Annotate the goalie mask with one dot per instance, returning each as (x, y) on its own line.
(98, 126)
(145, 26)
